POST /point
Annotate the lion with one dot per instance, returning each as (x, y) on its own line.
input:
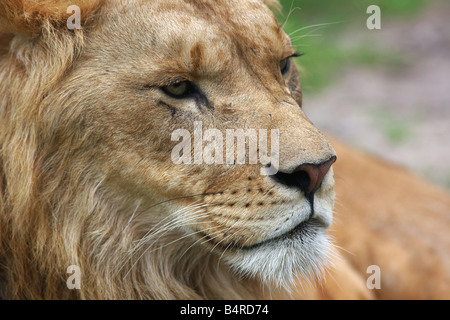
(88, 181)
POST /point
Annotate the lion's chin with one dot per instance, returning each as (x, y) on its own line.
(301, 252)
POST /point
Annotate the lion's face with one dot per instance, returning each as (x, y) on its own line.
(197, 64)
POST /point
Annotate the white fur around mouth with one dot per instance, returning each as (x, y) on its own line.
(302, 251)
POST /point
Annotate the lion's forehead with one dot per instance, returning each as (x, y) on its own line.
(203, 39)
(181, 26)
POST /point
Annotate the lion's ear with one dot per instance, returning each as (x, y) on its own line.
(29, 17)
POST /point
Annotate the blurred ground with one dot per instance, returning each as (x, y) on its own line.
(393, 99)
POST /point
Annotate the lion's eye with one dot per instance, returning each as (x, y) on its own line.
(179, 89)
(284, 65)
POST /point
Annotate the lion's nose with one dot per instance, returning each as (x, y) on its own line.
(307, 177)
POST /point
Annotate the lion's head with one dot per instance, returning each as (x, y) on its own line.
(115, 154)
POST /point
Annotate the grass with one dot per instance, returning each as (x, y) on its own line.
(316, 28)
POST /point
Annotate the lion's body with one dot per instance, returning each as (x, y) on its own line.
(87, 179)
(389, 217)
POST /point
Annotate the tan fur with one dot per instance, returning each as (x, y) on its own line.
(29, 17)
(86, 176)
(389, 217)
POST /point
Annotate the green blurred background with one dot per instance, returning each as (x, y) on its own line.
(316, 24)
(384, 91)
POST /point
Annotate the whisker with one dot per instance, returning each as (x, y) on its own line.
(183, 218)
(184, 197)
(163, 246)
(225, 238)
(291, 10)
(175, 222)
(172, 217)
(343, 249)
(204, 237)
(296, 38)
(163, 228)
(132, 216)
(317, 26)
(220, 258)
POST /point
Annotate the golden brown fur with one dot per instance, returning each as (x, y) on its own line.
(86, 176)
(389, 217)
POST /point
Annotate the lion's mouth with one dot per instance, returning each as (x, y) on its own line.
(301, 232)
